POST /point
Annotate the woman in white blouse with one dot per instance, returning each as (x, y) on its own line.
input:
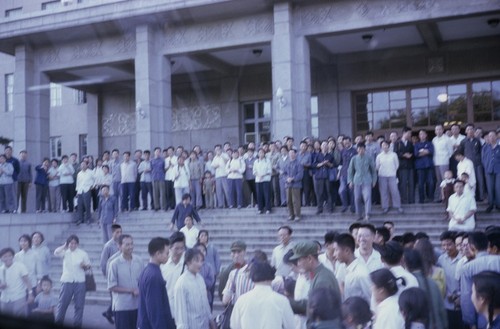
(384, 290)
(387, 164)
(75, 262)
(262, 170)
(235, 168)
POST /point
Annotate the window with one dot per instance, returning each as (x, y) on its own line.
(381, 110)
(55, 147)
(14, 12)
(486, 100)
(314, 116)
(425, 106)
(80, 96)
(51, 5)
(82, 144)
(55, 95)
(9, 92)
(257, 122)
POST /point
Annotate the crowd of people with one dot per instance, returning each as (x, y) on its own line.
(368, 277)
(319, 173)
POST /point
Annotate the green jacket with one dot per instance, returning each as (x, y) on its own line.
(322, 278)
(362, 170)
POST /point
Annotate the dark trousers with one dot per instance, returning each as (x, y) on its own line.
(253, 191)
(22, 193)
(128, 196)
(425, 184)
(137, 193)
(235, 192)
(94, 193)
(41, 196)
(334, 193)
(146, 188)
(275, 190)
(322, 188)
(263, 195)
(480, 188)
(170, 194)
(455, 319)
(126, 319)
(308, 190)
(84, 206)
(493, 185)
(67, 196)
(406, 179)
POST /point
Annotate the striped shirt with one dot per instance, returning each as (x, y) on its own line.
(192, 310)
(242, 283)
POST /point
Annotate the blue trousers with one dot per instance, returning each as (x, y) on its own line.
(264, 195)
(346, 194)
(128, 194)
(126, 319)
(69, 291)
(493, 186)
(84, 207)
(425, 184)
(235, 192)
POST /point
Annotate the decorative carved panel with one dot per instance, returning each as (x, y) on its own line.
(196, 117)
(125, 44)
(49, 56)
(86, 50)
(220, 31)
(435, 65)
(117, 124)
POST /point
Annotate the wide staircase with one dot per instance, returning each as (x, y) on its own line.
(258, 231)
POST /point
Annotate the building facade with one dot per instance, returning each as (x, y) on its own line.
(89, 75)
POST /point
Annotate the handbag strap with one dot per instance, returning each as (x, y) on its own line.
(233, 285)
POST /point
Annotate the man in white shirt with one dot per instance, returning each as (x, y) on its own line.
(329, 260)
(284, 237)
(365, 252)
(182, 179)
(262, 307)
(128, 177)
(172, 270)
(122, 279)
(465, 166)
(84, 182)
(170, 163)
(443, 150)
(357, 278)
(221, 184)
(461, 209)
(14, 284)
(456, 138)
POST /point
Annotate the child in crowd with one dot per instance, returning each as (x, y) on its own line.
(45, 302)
(209, 190)
(447, 187)
(468, 188)
(190, 232)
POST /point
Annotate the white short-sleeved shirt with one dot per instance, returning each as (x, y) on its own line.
(459, 206)
(13, 278)
(72, 260)
(191, 235)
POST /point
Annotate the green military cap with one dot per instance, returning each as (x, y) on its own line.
(238, 245)
(303, 249)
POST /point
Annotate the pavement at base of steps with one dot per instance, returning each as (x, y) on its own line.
(92, 317)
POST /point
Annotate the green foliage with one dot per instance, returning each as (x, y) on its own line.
(5, 140)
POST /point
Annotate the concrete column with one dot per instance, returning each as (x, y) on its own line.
(93, 128)
(292, 73)
(32, 106)
(153, 93)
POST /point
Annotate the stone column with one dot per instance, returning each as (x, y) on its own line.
(153, 93)
(93, 127)
(31, 106)
(291, 73)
